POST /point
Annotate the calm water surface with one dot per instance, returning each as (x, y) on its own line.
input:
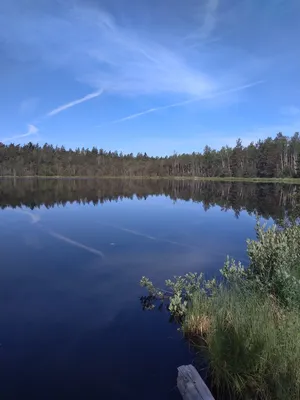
(72, 255)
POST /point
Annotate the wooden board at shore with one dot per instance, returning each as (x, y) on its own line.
(191, 385)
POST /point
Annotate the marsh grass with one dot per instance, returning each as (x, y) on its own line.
(247, 325)
(252, 346)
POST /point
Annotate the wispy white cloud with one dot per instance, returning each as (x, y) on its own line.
(210, 18)
(32, 130)
(196, 141)
(74, 103)
(290, 111)
(254, 134)
(206, 17)
(128, 51)
(262, 132)
(29, 105)
(115, 53)
(182, 103)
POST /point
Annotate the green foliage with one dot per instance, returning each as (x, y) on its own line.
(232, 270)
(248, 324)
(274, 264)
(274, 269)
(269, 158)
(251, 344)
(180, 290)
(275, 261)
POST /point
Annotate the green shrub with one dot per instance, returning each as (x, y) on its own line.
(248, 323)
(274, 261)
(179, 291)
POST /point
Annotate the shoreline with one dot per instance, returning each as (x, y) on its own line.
(295, 181)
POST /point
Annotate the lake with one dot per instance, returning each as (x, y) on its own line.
(72, 255)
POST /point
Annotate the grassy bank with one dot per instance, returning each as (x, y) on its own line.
(247, 324)
(295, 181)
(263, 180)
(251, 344)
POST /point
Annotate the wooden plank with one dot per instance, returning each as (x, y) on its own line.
(191, 385)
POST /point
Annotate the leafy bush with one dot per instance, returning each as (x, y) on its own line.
(180, 291)
(274, 265)
(248, 323)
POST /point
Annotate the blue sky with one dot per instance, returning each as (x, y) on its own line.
(148, 75)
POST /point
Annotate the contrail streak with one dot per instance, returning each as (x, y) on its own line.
(32, 130)
(136, 233)
(74, 103)
(154, 238)
(34, 217)
(76, 244)
(182, 103)
(133, 116)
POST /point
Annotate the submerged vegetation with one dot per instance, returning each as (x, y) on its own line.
(246, 324)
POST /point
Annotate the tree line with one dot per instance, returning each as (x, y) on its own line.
(276, 201)
(270, 158)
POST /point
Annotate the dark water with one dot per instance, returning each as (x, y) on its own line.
(72, 255)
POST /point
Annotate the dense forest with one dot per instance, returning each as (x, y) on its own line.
(269, 158)
(276, 201)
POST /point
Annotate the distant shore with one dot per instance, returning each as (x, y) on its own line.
(295, 181)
